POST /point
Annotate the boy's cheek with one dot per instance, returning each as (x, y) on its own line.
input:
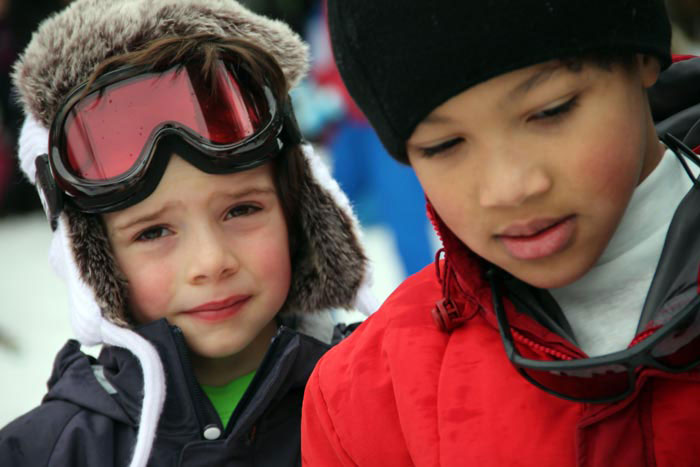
(274, 257)
(150, 294)
(610, 171)
(610, 156)
(266, 254)
(275, 268)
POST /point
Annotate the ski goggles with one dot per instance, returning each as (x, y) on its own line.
(673, 348)
(103, 141)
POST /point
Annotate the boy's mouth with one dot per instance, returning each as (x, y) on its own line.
(219, 310)
(538, 238)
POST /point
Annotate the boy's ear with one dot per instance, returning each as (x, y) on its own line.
(649, 68)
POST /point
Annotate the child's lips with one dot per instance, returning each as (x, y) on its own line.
(219, 310)
(539, 238)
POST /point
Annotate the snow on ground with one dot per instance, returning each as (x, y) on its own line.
(34, 321)
(33, 313)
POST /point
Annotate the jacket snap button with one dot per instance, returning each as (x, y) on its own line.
(211, 432)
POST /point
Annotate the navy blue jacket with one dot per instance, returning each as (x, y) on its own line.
(86, 420)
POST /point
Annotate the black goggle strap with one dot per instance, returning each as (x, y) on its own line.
(676, 145)
(49, 193)
(493, 276)
(291, 134)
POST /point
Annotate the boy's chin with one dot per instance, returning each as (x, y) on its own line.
(549, 276)
(215, 351)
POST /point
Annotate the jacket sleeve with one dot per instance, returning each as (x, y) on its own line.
(57, 434)
(30, 439)
(320, 444)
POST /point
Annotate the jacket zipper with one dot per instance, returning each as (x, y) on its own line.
(198, 396)
(538, 347)
(562, 356)
(267, 362)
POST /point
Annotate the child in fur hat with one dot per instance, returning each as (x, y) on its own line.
(542, 133)
(202, 243)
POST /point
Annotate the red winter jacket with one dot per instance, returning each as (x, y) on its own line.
(401, 392)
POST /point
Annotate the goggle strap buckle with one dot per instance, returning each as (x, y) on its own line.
(51, 197)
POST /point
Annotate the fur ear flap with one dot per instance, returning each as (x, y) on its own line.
(98, 267)
(332, 263)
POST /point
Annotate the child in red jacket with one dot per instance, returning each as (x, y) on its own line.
(569, 231)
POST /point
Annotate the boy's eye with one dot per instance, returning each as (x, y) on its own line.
(556, 111)
(242, 210)
(153, 233)
(440, 148)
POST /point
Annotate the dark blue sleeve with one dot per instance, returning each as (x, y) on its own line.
(29, 439)
(61, 434)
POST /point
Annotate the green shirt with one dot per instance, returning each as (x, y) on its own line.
(226, 398)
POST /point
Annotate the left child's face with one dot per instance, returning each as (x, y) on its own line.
(533, 169)
(208, 252)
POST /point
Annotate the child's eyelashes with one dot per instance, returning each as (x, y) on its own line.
(153, 233)
(440, 148)
(242, 210)
(157, 232)
(556, 112)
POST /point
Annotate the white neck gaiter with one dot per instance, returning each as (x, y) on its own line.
(603, 306)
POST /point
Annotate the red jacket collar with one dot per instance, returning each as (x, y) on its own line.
(469, 289)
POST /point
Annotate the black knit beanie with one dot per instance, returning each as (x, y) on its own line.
(400, 59)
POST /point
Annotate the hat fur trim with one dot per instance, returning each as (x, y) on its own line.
(64, 52)
(67, 47)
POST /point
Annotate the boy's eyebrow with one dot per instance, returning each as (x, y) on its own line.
(536, 79)
(149, 217)
(435, 118)
(267, 190)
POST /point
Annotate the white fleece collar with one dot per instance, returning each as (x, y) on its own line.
(603, 306)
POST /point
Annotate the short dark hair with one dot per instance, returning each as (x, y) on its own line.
(604, 59)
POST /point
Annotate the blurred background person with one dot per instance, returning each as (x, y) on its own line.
(293, 12)
(384, 192)
(17, 21)
(685, 15)
(8, 53)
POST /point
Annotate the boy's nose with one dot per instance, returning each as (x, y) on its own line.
(512, 184)
(211, 258)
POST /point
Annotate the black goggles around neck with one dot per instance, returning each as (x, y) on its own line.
(103, 142)
(671, 342)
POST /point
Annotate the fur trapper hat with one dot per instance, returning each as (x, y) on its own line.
(67, 47)
(63, 53)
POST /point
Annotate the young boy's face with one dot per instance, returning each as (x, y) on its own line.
(533, 169)
(208, 252)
